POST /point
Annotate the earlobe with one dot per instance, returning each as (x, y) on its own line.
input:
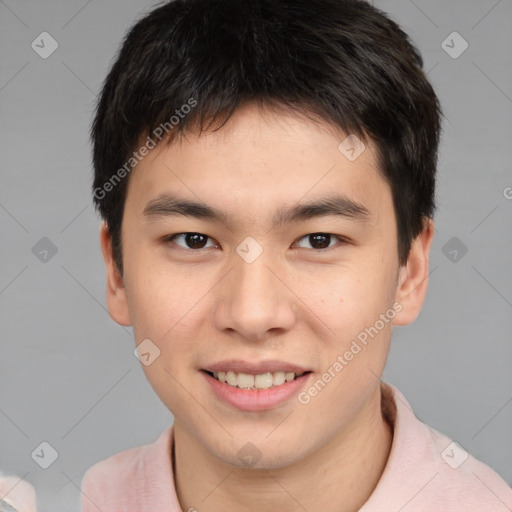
(413, 277)
(117, 303)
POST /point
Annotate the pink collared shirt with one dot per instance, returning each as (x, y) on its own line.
(425, 472)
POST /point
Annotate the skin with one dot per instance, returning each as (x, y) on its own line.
(293, 303)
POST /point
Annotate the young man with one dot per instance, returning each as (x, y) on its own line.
(266, 173)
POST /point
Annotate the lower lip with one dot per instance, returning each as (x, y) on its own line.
(259, 399)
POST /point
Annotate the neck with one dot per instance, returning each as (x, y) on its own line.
(340, 477)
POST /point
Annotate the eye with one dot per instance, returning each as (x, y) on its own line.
(197, 241)
(192, 240)
(323, 240)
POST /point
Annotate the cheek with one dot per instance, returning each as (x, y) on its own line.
(346, 299)
(355, 336)
(166, 303)
(165, 310)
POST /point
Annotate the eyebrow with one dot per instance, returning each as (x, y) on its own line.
(168, 205)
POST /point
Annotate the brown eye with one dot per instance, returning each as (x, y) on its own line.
(191, 240)
(321, 240)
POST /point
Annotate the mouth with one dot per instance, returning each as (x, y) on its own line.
(255, 382)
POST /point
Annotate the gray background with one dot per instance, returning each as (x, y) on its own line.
(68, 375)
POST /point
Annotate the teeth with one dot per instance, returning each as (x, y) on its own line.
(231, 378)
(244, 380)
(263, 381)
(260, 381)
(278, 378)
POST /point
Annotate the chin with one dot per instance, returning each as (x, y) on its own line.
(260, 453)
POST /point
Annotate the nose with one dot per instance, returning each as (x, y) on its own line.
(255, 301)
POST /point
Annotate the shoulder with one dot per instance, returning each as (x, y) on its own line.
(427, 471)
(120, 465)
(462, 480)
(107, 480)
(121, 478)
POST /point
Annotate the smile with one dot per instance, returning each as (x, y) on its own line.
(255, 392)
(253, 382)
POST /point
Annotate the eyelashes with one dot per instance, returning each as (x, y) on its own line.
(195, 242)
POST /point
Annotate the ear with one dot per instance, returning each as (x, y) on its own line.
(116, 292)
(413, 277)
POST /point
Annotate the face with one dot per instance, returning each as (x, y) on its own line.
(256, 280)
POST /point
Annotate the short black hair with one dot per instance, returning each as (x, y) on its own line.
(188, 63)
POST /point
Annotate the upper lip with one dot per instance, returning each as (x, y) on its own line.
(254, 368)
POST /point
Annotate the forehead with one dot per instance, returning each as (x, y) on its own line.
(258, 162)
